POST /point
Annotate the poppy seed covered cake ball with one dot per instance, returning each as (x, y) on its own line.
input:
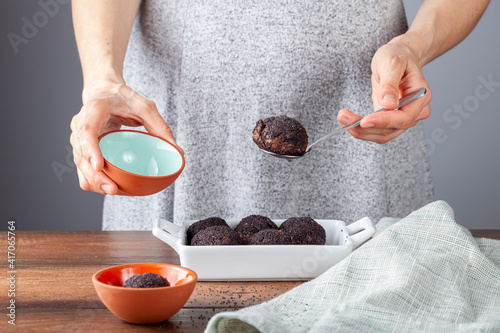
(281, 135)
(304, 230)
(252, 224)
(202, 224)
(216, 235)
(270, 237)
(146, 280)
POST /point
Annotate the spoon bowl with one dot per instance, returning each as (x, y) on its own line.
(408, 98)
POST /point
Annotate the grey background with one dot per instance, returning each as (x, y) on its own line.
(40, 91)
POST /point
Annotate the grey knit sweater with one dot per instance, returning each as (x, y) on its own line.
(215, 67)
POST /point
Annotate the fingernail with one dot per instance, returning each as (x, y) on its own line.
(94, 163)
(389, 98)
(369, 125)
(344, 121)
(106, 188)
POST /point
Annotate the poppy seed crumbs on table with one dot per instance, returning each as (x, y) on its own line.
(146, 280)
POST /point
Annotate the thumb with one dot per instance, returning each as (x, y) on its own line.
(155, 124)
(388, 88)
(388, 95)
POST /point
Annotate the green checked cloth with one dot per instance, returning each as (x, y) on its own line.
(423, 273)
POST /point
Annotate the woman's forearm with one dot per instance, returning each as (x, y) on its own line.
(102, 30)
(440, 25)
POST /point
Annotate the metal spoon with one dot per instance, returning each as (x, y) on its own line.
(402, 102)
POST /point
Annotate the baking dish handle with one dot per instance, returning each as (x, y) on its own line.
(360, 231)
(168, 232)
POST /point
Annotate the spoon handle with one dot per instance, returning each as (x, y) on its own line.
(408, 98)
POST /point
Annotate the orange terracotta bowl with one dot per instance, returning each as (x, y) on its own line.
(140, 163)
(144, 305)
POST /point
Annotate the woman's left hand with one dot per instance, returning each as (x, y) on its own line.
(395, 72)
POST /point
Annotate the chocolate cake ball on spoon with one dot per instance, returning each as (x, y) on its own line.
(281, 135)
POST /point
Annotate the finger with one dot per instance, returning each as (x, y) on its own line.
(120, 192)
(72, 138)
(73, 142)
(84, 184)
(346, 118)
(74, 122)
(93, 120)
(98, 181)
(398, 119)
(372, 131)
(390, 70)
(76, 151)
(89, 178)
(425, 113)
(74, 125)
(154, 122)
(377, 137)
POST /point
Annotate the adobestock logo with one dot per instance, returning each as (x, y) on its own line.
(30, 27)
(62, 168)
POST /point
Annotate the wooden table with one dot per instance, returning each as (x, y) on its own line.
(54, 290)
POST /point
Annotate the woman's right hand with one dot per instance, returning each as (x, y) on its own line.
(105, 109)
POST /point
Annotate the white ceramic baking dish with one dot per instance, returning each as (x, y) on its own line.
(265, 262)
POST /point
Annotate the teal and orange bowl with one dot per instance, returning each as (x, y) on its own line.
(140, 163)
(144, 305)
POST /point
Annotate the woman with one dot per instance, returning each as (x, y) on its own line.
(213, 68)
